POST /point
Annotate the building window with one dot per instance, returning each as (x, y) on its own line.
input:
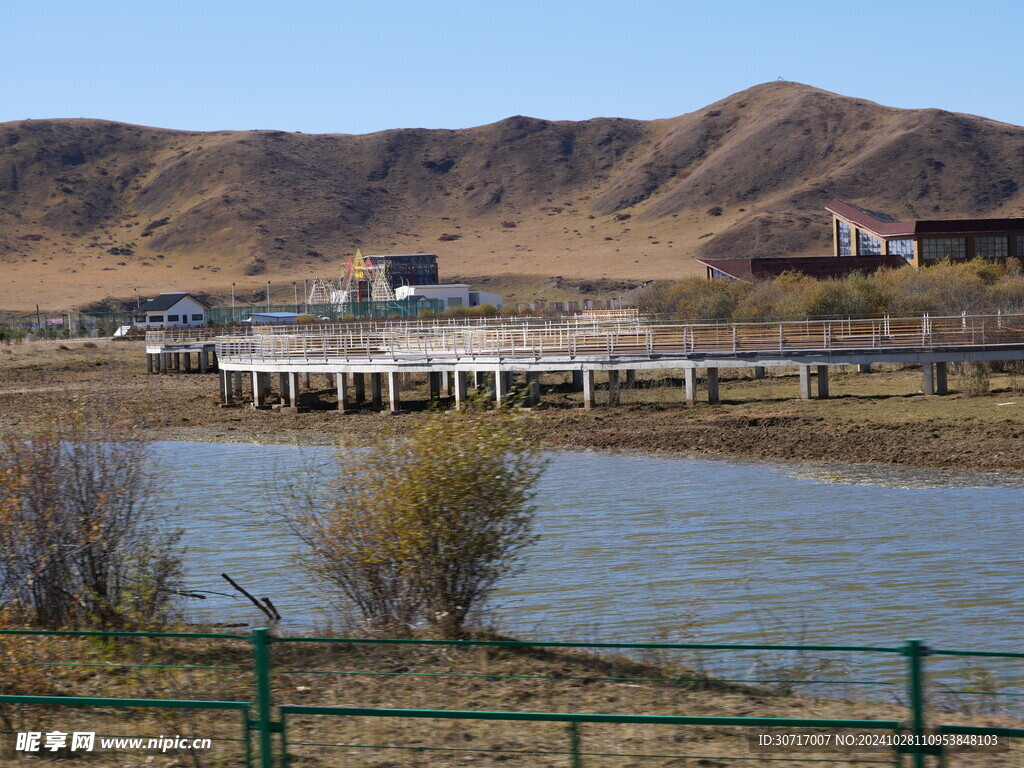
(868, 245)
(717, 274)
(172, 318)
(991, 247)
(197, 317)
(903, 247)
(935, 248)
(156, 318)
(1020, 246)
(843, 233)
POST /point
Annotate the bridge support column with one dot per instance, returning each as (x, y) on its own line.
(864, 368)
(188, 362)
(577, 381)
(165, 362)
(282, 388)
(713, 398)
(260, 389)
(928, 384)
(177, 361)
(341, 381)
(446, 384)
(375, 391)
(690, 385)
(461, 380)
(434, 381)
(613, 388)
(500, 386)
(532, 390)
(204, 360)
(394, 391)
(149, 363)
(214, 363)
(226, 389)
(941, 382)
(359, 384)
(758, 371)
(805, 382)
(629, 380)
(237, 383)
(479, 380)
(588, 388)
(822, 382)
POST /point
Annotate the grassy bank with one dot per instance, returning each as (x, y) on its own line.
(877, 417)
(485, 679)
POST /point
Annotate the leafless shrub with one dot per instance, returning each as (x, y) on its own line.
(80, 543)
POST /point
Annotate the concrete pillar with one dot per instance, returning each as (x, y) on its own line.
(236, 383)
(446, 384)
(342, 383)
(630, 379)
(149, 363)
(588, 388)
(758, 371)
(282, 387)
(479, 380)
(805, 382)
(928, 385)
(260, 389)
(577, 381)
(690, 385)
(293, 391)
(822, 382)
(613, 388)
(434, 382)
(226, 389)
(165, 362)
(359, 384)
(330, 380)
(941, 382)
(461, 381)
(376, 400)
(864, 368)
(532, 390)
(713, 398)
(305, 381)
(500, 386)
(188, 362)
(394, 390)
(204, 360)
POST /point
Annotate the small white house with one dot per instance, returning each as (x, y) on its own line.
(453, 295)
(171, 309)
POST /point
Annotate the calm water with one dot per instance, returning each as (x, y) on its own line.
(641, 548)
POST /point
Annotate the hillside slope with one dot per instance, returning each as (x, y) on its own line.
(91, 208)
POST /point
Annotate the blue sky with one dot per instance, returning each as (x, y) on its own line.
(345, 67)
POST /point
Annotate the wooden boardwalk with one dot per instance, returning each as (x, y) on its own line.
(612, 344)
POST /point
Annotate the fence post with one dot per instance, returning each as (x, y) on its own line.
(263, 723)
(574, 745)
(915, 651)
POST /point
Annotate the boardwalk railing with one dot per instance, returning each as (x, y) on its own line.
(620, 337)
(283, 732)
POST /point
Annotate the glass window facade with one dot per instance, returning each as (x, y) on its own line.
(903, 247)
(717, 274)
(868, 245)
(991, 247)
(843, 235)
(935, 248)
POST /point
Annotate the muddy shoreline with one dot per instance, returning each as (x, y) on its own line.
(877, 418)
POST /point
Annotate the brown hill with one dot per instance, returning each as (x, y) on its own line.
(91, 208)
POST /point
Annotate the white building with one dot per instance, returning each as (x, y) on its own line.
(453, 295)
(171, 309)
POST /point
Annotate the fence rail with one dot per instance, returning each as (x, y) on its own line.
(275, 729)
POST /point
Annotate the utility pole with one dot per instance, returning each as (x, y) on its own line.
(232, 302)
(268, 295)
(138, 301)
(295, 290)
(305, 296)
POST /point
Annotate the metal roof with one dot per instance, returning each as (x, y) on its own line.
(748, 270)
(886, 226)
(167, 300)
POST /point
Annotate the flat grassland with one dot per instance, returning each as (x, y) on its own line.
(878, 417)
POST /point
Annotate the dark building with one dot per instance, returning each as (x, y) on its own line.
(820, 267)
(407, 268)
(858, 231)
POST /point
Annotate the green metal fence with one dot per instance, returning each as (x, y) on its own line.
(270, 664)
(357, 310)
